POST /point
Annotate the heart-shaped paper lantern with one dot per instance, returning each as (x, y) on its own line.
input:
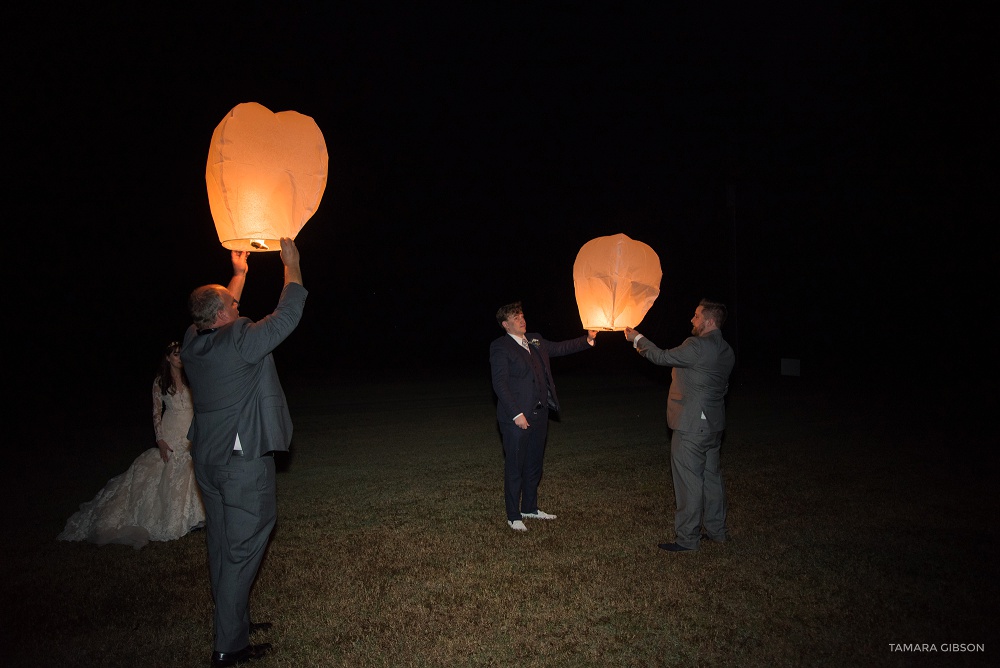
(266, 174)
(617, 279)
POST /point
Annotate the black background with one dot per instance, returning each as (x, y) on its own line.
(819, 169)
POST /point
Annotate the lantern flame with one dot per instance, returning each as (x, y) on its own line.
(266, 174)
(617, 279)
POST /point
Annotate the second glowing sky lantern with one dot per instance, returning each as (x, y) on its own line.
(617, 279)
(266, 175)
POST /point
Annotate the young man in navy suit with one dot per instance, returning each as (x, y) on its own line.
(522, 380)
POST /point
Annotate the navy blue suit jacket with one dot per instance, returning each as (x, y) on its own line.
(519, 383)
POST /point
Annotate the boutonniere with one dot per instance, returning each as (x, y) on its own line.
(535, 342)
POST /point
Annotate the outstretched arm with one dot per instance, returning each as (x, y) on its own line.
(560, 348)
(261, 337)
(239, 278)
(684, 355)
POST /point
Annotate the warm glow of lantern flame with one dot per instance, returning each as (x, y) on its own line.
(266, 175)
(617, 279)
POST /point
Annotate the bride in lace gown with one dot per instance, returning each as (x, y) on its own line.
(157, 498)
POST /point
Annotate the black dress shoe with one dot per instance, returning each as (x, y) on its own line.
(248, 653)
(260, 626)
(673, 547)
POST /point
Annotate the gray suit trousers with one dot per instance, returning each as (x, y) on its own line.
(240, 512)
(698, 488)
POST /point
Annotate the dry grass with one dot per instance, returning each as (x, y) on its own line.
(849, 532)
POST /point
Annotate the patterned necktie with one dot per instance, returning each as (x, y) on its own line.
(524, 342)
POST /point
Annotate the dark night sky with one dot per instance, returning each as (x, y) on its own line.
(805, 165)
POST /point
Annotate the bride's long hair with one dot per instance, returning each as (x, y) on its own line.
(164, 377)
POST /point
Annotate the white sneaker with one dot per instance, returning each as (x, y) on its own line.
(517, 525)
(539, 515)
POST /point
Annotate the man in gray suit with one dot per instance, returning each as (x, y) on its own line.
(240, 420)
(696, 413)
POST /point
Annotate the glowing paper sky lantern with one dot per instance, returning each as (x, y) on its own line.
(266, 174)
(617, 279)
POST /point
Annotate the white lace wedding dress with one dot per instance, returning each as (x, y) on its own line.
(152, 500)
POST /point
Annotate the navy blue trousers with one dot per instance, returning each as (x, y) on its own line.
(523, 451)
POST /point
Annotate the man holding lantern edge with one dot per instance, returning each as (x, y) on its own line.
(526, 392)
(240, 419)
(696, 415)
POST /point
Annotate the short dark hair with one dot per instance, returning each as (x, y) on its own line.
(507, 311)
(205, 303)
(713, 311)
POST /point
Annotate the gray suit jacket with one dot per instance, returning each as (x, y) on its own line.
(235, 385)
(699, 380)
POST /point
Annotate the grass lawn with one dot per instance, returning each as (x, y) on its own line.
(857, 522)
